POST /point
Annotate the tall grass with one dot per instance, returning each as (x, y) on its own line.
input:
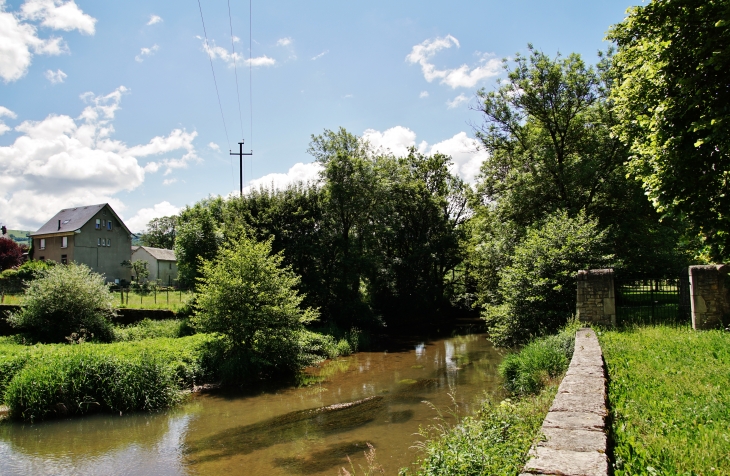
(669, 399)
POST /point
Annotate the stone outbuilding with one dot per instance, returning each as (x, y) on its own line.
(162, 264)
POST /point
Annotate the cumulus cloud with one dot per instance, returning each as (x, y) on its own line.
(424, 94)
(144, 52)
(154, 19)
(169, 181)
(320, 55)
(58, 15)
(299, 172)
(4, 111)
(461, 77)
(284, 42)
(457, 101)
(138, 223)
(214, 146)
(466, 158)
(60, 162)
(218, 52)
(55, 77)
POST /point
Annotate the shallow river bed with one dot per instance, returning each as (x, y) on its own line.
(284, 431)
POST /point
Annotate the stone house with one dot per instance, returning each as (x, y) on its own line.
(93, 235)
(162, 264)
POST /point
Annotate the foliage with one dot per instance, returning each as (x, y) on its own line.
(15, 280)
(56, 380)
(537, 290)
(139, 268)
(496, 440)
(540, 361)
(670, 75)
(669, 400)
(198, 238)
(11, 255)
(149, 329)
(246, 295)
(160, 233)
(65, 300)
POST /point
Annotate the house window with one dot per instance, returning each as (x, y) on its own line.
(98, 242)
(103, 242)
(64, 259)
(170, 263)
(109, 225)
(43, 244)
(42, 258)
(98, 224)
(108, 242)
(64, 242)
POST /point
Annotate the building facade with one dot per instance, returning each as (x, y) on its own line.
(161, 263)
(93, 235)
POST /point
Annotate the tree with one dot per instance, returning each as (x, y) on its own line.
(66, 300)
(198, 237)
(671, 94)
(11, 255)
(537, 290)
(160, 233)
(139, 268)
(247, 296)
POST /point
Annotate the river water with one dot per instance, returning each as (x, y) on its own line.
(271, 432)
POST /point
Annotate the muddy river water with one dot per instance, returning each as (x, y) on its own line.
(271, 432)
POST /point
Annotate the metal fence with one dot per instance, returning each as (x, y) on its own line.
(653, 301)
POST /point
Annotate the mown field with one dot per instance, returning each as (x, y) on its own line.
(162, 299)
(669, 398)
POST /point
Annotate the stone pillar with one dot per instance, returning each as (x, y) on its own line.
(596, 300)
(709, 295)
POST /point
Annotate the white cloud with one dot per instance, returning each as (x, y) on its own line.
(299, 172)
(214, 146)
(424, 94)
(58, 15)
(457, 101)
(461, 77)
(466, 158)
(169, 181)
(60, 162)
(154, 19)
(4, 111)
(284, 42)
(218, 52)
(146, 52)
(320, 55)
(55, 77)
(138, 222)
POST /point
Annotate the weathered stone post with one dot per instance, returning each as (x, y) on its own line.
(596, 300)
(709, 297)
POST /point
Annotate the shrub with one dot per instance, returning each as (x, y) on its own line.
(11, 255)
(65, 301)
(149, 329)
(543, 359)
(247, 296)
(537, 291)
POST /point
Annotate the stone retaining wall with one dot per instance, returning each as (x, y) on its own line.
(574, 428)
(596, 300)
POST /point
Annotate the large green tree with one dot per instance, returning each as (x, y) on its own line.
(671, 94)
(160, 233)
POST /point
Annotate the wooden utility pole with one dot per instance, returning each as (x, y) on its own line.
(240, 155)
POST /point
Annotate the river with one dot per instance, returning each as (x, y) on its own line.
(275, 431)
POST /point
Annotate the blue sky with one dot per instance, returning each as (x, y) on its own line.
(115, 101)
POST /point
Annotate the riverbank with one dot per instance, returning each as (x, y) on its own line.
(669, 400)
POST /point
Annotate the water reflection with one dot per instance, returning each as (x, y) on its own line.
(297, 430)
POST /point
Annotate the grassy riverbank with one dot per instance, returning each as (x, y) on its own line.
(497, 438)
(669, 398)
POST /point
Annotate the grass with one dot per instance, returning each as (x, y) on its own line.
(163, 299)
(669, 399)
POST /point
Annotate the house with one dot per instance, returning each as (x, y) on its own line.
(162, 264)
(93, 235)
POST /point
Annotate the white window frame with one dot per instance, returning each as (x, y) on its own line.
(98, 224)
(64, 242)
(98, 242)
(108, 241)
(42, 244)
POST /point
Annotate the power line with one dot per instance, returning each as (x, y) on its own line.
(220, 106)
(250, 77)
(235, 69)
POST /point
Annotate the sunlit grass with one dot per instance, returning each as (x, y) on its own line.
(669, 396)
(161, 299)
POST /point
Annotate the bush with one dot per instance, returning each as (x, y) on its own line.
(543, 359)
(247, 296)
(68, 301)
(11, 255)
(149, 329)
(537, 291)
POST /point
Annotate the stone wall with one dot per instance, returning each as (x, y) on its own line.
(574, 428)
(709, 296)
(596, 300)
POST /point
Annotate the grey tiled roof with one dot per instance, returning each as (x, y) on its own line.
(73, 219)
(160, 254)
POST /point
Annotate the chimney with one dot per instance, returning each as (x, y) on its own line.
(59, 224)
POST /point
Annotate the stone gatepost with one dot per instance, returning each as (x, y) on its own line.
(709, 295)
(596, 301)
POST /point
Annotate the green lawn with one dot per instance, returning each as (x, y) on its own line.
(160, 300)
(669, 397)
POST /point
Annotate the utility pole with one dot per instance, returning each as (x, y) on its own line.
(240, 155)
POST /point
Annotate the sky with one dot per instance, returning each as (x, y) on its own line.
(117, 102)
